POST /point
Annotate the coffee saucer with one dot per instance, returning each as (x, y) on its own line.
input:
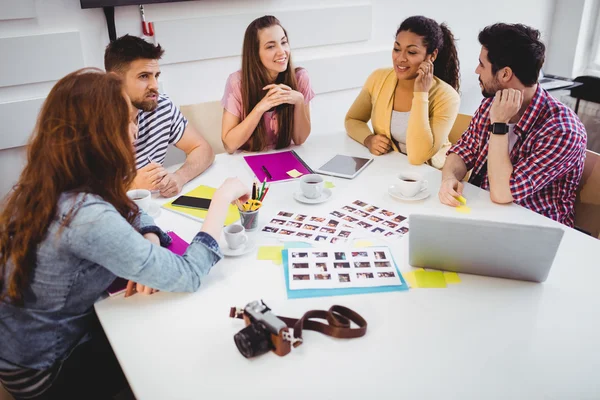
(423, 194)
(240, 251)
(153, 210)
(325, 195)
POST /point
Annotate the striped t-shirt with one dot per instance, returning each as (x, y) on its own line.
(158, 129)
(27, 383)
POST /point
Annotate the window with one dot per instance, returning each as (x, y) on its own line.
(592, 64)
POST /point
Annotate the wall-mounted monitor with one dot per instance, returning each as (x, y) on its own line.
(116, 3)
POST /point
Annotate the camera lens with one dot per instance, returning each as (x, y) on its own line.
(253, 340)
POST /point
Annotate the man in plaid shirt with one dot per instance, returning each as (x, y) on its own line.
(523, 145)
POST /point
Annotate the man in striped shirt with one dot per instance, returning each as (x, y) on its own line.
(522, 145)
(160, 123)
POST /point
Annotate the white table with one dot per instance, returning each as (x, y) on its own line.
(482, 338)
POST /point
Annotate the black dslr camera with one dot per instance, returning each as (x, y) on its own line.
(264, 331)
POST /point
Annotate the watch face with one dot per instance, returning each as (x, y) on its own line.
(499, 128)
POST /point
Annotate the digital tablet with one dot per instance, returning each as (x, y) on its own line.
(344, 166)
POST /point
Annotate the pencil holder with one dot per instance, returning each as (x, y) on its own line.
(249, 220)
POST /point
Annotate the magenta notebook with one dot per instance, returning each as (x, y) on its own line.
(177, 246)
(276, 165)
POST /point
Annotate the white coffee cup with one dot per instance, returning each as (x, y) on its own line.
(235, 236)
(312, 186)
(141, 197)
(409, 184)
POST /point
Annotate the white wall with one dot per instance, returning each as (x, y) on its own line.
(197, 81)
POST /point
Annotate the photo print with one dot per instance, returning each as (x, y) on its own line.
(380, 221)
(308, 228)
(348, 268)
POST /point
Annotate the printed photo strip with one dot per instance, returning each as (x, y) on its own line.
(371, 218)
(303, 227)
(331, 269)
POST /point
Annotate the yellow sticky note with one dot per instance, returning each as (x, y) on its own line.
(294, 173)
(463, 209)
(451, 277)
(272, 253)
(461, 200)
(430, 279)
(410, 279)
(204, 192)
(329, 185)
(362, 243)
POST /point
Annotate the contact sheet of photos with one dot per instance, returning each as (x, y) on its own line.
(376, 220)
(304, 227)
(333, 269)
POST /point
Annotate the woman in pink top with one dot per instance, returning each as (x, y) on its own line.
(266, 104)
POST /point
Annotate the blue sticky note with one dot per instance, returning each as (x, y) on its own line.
(296, 245)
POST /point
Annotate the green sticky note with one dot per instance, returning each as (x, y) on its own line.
(329, 185)
(362, 243)
(409, 277)
(272, 253)
(294, 173)
(451, 277)
(430, 279)
(295, 245)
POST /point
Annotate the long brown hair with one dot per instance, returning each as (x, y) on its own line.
(255, 77)
(80, 144)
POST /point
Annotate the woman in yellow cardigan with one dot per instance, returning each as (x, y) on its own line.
(413, 105)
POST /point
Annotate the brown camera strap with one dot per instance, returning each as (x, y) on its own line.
(338, 323)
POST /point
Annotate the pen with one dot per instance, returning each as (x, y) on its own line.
(266, 171)
(253, 190)
(239, 205)
(264, 193)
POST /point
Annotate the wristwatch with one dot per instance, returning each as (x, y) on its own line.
(499, 128)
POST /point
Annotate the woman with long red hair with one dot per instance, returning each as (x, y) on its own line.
(68, 229)
(266, 103)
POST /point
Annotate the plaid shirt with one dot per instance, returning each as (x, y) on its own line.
(547, 157)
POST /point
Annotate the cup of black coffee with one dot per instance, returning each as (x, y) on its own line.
(410, 183)
(312, 186)
(141, 197)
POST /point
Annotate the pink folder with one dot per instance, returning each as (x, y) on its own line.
(277, 165)
(177, 246)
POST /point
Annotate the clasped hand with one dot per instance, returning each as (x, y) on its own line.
(155, 177)
(278, 94)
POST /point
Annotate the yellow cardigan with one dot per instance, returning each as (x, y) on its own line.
(431, 116)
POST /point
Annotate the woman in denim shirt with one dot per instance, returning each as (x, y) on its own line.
(68, 229)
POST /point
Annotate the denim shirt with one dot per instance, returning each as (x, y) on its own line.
(75, 265)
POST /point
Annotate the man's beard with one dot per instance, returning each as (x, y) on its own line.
(489, 93)
(146, 105)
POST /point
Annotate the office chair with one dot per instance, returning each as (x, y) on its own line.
(589, 91)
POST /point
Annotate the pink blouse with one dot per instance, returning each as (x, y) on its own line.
(232, 101)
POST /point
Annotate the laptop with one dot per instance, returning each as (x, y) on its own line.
(551, 82)
(513, 251)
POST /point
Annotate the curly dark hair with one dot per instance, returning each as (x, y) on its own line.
(436, 36)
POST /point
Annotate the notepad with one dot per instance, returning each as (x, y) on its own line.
(203, 192)
(275, 167)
